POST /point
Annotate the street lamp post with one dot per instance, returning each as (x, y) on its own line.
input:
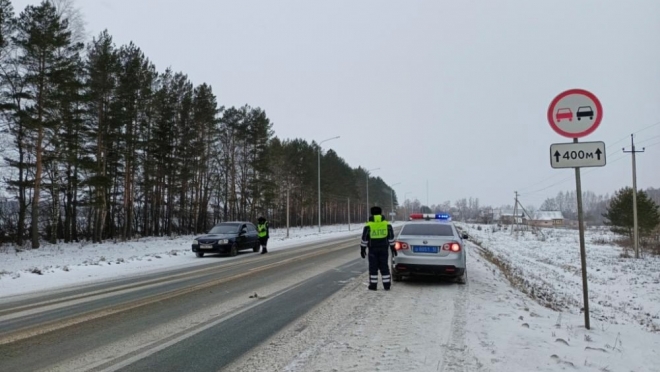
(319, 168)
(368, 189)
(405, 198)
(392, 199)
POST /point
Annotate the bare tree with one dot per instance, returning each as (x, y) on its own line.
(66, 9)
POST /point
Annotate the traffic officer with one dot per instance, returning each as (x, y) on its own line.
(378, 235)
(262, 230)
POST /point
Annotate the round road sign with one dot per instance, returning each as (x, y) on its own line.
(575, 113)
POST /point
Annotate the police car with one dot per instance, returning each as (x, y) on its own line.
(430, 244)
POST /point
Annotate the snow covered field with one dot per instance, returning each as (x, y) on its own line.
(546, 265)
(425, 325)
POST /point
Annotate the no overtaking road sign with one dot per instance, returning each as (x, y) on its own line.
(577, 154)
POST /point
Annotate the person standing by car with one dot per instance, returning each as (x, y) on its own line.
(262, 230)
(378, 236)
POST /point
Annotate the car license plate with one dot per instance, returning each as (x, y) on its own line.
(205, 246)
(424, 249)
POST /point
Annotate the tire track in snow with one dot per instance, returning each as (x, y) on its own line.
(454, 357)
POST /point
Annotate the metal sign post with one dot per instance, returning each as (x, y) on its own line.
(576, 113)
(583, 250)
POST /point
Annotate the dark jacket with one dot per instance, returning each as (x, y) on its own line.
(377, 243)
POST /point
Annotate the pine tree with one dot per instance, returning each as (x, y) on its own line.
(203, 151)
(620, 213)
(134, 92)
(102, 130)
(46, 54)
(12, 103)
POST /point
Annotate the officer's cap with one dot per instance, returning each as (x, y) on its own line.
(376, 210)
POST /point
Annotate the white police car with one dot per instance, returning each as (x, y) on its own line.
(430, 244)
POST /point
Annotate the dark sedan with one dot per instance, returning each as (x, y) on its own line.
(227, 238)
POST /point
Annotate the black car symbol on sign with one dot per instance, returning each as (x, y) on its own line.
(584, 111)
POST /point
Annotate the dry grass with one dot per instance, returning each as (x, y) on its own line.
(517, 280)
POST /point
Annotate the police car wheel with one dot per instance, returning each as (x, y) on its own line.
(256, 247)
(233, 251)
(395, 277)
(462, 279)
(199, 254)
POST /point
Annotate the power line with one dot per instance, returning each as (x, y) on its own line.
(608, 145)
(571, 177)
(653, 144)
(648, 139)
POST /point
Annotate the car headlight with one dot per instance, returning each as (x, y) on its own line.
(195, 242)
(223, 241)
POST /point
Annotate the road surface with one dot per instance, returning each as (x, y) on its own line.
(199, 319)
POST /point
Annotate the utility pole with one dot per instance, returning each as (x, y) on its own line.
(634, 174)
(349, 214)
(515, 213)
(368, 207)
(319, 177)
(392, 200)
(287, 212)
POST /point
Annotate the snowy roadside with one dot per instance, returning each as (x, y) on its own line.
(59, 265)
(426, 325)
(546, 266)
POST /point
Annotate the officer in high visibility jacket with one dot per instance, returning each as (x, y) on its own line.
(378, 236)
(262, 233)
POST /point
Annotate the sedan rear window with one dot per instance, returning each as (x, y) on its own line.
(428, 229)
(225, 229)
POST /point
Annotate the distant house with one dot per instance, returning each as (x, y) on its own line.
(547, 219)
(510, 217)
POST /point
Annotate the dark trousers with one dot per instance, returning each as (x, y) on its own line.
(263, 242)
(378, 261)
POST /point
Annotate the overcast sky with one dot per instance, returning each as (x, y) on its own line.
(453, 92)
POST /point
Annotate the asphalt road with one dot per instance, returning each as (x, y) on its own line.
(198, 319)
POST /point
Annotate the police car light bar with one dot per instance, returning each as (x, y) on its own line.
(430, 216)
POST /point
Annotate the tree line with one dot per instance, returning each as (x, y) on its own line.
(102, 145)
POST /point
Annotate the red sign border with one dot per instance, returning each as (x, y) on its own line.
(588, 131)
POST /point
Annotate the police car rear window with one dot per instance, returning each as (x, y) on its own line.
(427, 229)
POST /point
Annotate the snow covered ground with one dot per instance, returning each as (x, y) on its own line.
(59, 265)
(525, 318)
(486, 325)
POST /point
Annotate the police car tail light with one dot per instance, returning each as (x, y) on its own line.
(451, 247)
(401, 245)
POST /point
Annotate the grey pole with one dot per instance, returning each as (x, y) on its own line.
(319, 178)
(635, 221)
(583, 251)
(368, 189)
(405, 199)
(392, 198)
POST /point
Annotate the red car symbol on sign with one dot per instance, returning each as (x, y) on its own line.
(564, 113)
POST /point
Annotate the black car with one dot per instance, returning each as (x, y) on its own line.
(228, 238)
(584, 112)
